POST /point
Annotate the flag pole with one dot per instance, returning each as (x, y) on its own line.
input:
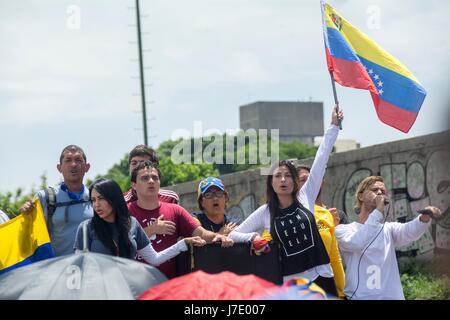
(335, 98)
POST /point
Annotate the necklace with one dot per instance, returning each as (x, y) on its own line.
(117, 248)
(218, 225)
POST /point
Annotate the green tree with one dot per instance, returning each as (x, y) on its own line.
(213, 147)
(287, 150)
(178, 173)
(296, 150)
(10, 202)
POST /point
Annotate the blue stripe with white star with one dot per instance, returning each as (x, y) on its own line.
(391, 86)
(395, 88)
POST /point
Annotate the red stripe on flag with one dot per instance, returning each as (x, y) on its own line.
(329, 60)
(353, 74)
(350, 73)
(394, 116)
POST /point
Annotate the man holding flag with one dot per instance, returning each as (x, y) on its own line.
(354, 60)
(53, 215)
(66, 205)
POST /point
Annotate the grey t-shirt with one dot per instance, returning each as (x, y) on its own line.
(136, 235)
(66, 219)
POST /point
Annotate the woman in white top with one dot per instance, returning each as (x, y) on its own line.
(288, 216)
(368, 244)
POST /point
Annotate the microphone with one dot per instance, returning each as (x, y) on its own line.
(426, 212)
(386, 201)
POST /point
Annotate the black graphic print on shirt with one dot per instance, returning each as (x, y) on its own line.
(295, 232)
(303, 247)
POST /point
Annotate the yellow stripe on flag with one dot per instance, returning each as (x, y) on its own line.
(21, 236)
(365, 47)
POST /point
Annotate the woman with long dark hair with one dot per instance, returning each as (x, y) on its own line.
(288, 216)
(113, 231)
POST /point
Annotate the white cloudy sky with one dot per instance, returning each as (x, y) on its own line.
(60, 85)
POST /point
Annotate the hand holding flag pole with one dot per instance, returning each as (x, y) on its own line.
(336, 102)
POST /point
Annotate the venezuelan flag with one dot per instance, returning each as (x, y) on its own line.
(356, 61)
(24, 240)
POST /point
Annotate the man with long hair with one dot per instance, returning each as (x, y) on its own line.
(368, 245)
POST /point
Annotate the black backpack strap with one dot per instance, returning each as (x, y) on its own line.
(67, 204)
(70, 203)
(50, 199)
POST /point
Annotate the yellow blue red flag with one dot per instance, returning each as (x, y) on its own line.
(357, 61)
(24, 240)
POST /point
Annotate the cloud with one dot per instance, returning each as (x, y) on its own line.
(245, 67)
(207, 58)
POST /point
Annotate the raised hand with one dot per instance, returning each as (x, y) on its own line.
(337, 117)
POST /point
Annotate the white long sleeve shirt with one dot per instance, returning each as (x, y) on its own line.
(260, 218)
(377, 270)
(155, 258)
(140, 243)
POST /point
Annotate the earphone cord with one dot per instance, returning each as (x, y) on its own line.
(359, 262)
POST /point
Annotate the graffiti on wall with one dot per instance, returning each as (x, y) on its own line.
(438, 186)
(241, 210)
(410, 189)
(350, 189)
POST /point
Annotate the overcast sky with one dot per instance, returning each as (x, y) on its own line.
(64, 82)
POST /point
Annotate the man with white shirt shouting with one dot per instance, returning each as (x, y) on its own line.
(368, 245)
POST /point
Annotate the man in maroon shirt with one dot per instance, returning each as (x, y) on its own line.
(164, 222)
(141, 153)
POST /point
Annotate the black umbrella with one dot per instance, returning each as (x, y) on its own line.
(82, 276)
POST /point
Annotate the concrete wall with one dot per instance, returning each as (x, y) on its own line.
(416, 172)
(294, 120)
